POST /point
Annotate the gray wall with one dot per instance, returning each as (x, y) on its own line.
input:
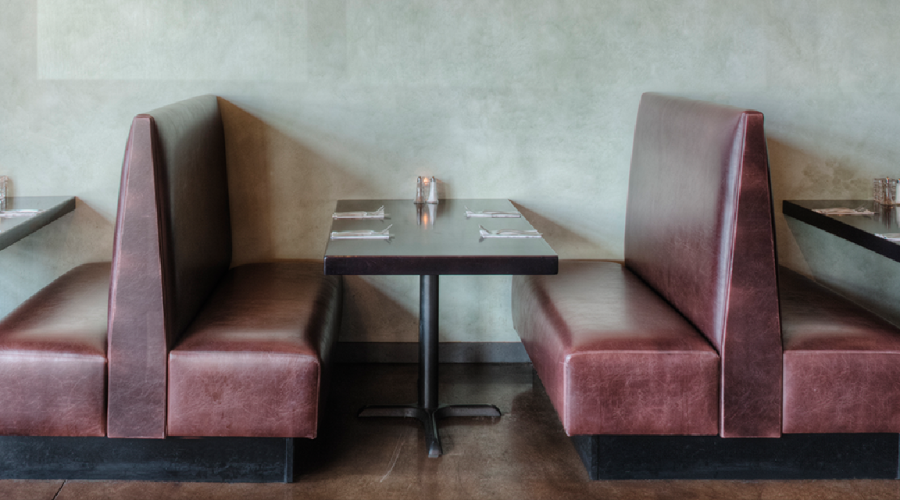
(532, 100)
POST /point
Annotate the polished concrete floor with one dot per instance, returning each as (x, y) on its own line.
(522, 455)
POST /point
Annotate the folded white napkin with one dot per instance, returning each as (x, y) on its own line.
(378, 214)
(364, 234)
(844, 211)
(25, 212)
(486, 213)
(509, 233)
(890, 236)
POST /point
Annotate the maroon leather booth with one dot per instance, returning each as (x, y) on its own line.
(654, 364)
(197, 348)
(169, 340)
(683, 338)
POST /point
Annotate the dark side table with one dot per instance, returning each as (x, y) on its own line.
(431, 240)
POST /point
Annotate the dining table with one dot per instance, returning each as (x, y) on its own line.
(23, 215)
(871, 225)
(452, 237)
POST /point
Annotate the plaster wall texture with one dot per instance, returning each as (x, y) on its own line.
(531, 100)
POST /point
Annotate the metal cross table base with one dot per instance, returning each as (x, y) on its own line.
(427, 411)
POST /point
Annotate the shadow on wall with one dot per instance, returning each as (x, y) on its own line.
(282, 191)
(798, 173)
(865, 277)
(282, 195)
(557, 236)
(862, 276)
(374, 310)
(82, 236)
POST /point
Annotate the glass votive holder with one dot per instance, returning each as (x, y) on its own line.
(420, 190)
(884, 191)
(4, 183)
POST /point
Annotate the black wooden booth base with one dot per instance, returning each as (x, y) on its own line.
(230, 460)
(792, 456)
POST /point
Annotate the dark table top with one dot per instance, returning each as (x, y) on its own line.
(859, 229)
(436, 239)
(13, 229)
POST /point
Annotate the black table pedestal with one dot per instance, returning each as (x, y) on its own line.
(427, 411)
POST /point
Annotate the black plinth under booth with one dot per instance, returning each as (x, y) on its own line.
(215, 459)
(791, 456)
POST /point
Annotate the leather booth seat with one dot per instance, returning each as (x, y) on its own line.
(841, 363)
(688, 336)
(198, 348)
(615, 358)
(53, 358)
(683, 337)
(251, 363)
(169, 339)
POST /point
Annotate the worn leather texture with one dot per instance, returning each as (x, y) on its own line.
(53, 358)
(699, 231)
(137, 332)
(252, 360)
(614, 357)
(841, 362)
(172, 246)
(192, 192)
(699, 234)
(251, 364)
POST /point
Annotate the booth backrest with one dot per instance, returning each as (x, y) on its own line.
(192, 193)
(172, 247)
(699, 231)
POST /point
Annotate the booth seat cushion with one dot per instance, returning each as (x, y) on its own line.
(251, 362)
(615, 358)
(53, 358)
(841, 362)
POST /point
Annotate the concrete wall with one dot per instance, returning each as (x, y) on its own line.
(532, 100)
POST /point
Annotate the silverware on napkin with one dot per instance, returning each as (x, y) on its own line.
(509, 233)
(494, 214)
(364, 234)
(844, 211)
(377, 214)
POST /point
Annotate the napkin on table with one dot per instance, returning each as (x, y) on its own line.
(495, 214)
(363, 234)
(509, 233)
(844, 211)
(377, 214)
